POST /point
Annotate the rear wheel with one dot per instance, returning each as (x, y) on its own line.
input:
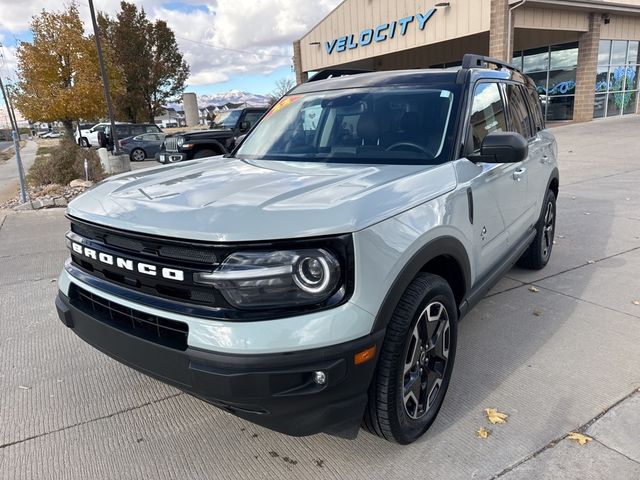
(539, 252)
(415, 364)
(137, 155)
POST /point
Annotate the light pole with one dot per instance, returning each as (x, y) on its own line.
(16, 144)
(105, 79)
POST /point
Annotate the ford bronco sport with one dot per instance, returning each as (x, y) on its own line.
(313, 279)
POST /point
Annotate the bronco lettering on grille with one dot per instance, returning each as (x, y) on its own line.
(130, 265)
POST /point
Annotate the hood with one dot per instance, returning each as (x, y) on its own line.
(212, 132)
(229, 200)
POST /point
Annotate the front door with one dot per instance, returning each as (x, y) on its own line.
(499, 190)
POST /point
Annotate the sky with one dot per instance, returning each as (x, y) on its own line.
(258, 32)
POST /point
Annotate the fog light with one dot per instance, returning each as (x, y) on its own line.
(320, 377)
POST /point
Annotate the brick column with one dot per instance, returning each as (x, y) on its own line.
(498, 35)
(587, 70)
(301, 76)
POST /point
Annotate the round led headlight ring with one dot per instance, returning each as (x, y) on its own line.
(312, 274)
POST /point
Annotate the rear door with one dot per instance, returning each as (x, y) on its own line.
(519, 121)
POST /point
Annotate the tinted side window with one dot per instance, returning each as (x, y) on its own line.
(152, 129)
(252, 117)
(536, 109)
(487, 113)
(518, 113)
(138, 129)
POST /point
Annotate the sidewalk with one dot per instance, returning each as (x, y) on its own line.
(9, 170)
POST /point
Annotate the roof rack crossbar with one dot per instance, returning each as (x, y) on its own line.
(335, 73)
(471, 60)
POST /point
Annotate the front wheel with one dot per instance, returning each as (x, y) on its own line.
(539, 252)
(415, 363)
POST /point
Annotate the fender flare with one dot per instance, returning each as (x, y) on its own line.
(206, 144)
(555, 175)
(442, 246)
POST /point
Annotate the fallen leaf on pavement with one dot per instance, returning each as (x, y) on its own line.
(537, 312)
(533, 289)
(23, 387)
(494, 416)
(483, 432)
(636, 302)
(580, 438)
(590, 262)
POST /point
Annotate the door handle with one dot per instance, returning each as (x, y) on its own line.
(519, 174)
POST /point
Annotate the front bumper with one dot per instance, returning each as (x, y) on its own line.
(171, 157)
(276, 391)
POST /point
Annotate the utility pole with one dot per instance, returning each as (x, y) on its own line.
(16, 144)
(105, 79)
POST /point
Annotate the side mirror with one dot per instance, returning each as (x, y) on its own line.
(502, 147)
(244, 126)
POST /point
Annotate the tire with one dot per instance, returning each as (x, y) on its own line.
(539, 252)
(137, 155)
(83, 142)
(205, 154)
(426, 309)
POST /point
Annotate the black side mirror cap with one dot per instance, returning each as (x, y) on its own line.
(502, 147)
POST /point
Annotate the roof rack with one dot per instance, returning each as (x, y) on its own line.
(335, 73)
(471, 60)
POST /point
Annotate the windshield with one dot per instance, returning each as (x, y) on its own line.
(226, 119)
(376, 125)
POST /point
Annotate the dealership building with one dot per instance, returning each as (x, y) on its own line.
(583, 54)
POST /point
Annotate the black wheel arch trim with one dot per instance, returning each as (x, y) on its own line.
(555, 175)
(208, 144)
(442, 246)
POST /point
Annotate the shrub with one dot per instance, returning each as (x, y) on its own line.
(63, 164)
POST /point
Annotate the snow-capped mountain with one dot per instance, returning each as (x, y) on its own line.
(232, 96)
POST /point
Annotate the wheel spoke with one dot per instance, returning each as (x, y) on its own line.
(426, 359)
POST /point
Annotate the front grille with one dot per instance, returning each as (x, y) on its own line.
(179, 253)
(171, 144)
(162, 331)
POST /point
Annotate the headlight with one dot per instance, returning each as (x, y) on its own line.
(282, 278)
(180, 141)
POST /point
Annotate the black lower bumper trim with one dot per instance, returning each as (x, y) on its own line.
(276, 391)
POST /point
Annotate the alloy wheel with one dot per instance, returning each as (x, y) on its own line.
(138, 155)
(548, 230)
(426, 360)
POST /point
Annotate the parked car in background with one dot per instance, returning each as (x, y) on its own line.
(142, 146)
(50, 134)
(126, 130)
(90, 137)
(81, 132)
(221, 138)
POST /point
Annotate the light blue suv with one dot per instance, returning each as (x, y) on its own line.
(313, 280)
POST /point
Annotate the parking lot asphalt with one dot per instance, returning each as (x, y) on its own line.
(554, 358)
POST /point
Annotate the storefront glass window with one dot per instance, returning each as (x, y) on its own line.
(618, 52)
(617, 75)
(599, 106)
(604, 52)
(553, 69)
(633, 58)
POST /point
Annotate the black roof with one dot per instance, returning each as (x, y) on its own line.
(409, 77)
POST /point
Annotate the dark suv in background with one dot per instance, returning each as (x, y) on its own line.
(126, 130)
(220, 139)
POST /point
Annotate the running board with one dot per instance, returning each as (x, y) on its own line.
(483, 286)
